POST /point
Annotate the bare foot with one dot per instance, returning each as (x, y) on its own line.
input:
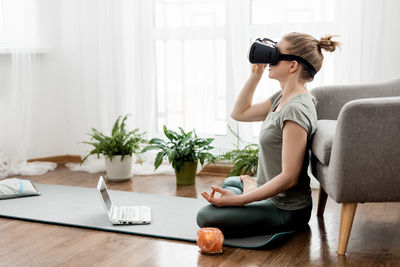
(249, 184)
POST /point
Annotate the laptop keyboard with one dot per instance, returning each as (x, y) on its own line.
(129, 213)
(145, 213)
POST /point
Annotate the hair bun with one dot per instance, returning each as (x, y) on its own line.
(327, 44)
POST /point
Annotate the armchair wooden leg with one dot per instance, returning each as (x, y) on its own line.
(322, 197)
(346, 221)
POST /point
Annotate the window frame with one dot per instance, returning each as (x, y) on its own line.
(224, 143)
(221, 143)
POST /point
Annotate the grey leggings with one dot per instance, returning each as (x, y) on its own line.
(256, 218)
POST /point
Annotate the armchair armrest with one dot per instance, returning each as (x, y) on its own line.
(365, 157)
(331, 99)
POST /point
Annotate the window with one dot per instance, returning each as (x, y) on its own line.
(18, 25)
(193, 68)
(289, 11)
(189, 13)
(190, 65)
(275, 19)
(184, 93)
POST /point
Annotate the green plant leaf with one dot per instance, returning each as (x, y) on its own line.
(244, 160)
(247, 169)
(158, 160)
(167, 134)
(116, 126)
(182, 147)
(121, 142)
(174, 135)
(156, 141)
(182, 131)
(171, 154)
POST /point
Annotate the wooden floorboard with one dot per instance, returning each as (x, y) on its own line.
(374, 240)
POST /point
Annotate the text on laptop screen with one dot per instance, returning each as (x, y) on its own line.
(106, 198)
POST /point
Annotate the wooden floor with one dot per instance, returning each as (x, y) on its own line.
(374, 240)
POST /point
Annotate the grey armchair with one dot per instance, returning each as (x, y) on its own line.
(356, 148)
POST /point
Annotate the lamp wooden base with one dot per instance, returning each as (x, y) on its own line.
(215, 253)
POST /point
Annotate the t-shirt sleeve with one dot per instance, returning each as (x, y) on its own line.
(275, 96)
(299, 114)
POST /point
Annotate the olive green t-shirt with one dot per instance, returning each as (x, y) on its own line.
(300, 109)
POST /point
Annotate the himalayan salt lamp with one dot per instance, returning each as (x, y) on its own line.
(210, 240)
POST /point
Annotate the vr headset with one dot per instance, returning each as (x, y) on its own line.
(266, 51)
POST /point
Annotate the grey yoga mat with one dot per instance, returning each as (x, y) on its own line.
(172, 217)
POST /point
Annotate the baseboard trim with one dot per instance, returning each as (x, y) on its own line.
(215, 169)
(209, 169)
(61, 159)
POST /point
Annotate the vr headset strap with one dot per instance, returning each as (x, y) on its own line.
(301, 60)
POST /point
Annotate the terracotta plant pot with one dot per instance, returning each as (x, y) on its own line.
(187, 174)
(118, 170)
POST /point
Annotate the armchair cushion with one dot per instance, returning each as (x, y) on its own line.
(322, 142)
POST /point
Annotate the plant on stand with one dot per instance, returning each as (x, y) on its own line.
(117, 149)
(245, 160)
(184, 151)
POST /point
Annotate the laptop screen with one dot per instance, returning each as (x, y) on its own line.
(106, 198)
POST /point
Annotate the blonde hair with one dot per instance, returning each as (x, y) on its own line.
(309, 48)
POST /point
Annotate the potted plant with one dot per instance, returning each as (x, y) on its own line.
(184, 151)
(245, 160)
(117, 149)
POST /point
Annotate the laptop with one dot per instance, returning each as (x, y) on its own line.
(122, 214)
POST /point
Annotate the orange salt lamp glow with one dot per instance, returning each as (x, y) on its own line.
(210, 240)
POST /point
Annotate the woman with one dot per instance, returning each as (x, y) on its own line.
(280, 198)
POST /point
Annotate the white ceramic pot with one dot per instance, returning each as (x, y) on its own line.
(118, 170)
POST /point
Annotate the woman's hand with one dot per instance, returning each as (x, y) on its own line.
(258, 69)
(227, 198)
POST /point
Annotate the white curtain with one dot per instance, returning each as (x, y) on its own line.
(107, 60)
(69, 65)
(93, 63)
(368, 30)
(20, 89)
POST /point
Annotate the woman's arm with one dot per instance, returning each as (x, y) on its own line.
(294, 145)
(243, 110)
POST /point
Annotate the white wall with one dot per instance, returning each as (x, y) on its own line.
(62, 97)
(388, 66)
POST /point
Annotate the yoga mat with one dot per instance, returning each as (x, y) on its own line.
(172, 217)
